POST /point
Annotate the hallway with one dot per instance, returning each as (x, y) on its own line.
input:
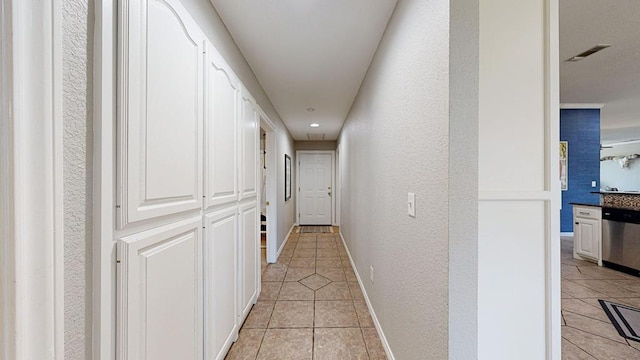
(310, 307)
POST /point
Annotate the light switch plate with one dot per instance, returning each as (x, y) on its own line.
(411, 204)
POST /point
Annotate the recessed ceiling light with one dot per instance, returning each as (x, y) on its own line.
(311, 109)
(315, 125)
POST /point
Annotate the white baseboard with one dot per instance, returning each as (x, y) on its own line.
(286, 238)
(566, 234)
(383, 338)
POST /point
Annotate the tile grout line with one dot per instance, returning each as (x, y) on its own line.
(600, 336)
(313, 329)
(588, 317)
(583, 350)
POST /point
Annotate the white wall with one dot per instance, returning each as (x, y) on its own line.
(518, 253)
(612, 175)
(209, 21)
(395, 141)
(463, 180)
(78, 176)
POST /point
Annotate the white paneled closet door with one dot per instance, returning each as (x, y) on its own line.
(161, 296)
(222, 94)
(222, 239)
(187, 177)
(160, 98)
(249, 256)
(249, 136)
(160, 172)
(221, 279)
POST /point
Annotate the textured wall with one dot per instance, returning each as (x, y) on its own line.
(286, 210)
(612, 175)
(581, 128)
(396, 140)
(207, 18)
(77, 112)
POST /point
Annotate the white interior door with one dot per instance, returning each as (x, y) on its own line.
(315, 188)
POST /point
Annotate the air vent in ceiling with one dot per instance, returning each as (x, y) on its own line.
(589, 52)
(315, 137)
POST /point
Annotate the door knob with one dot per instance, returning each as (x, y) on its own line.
(329, 193)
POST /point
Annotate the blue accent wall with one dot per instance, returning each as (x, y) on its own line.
(581, 129)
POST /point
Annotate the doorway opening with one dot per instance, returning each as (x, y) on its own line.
(268, 192)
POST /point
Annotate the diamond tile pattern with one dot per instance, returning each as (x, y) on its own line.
(311, 307)
(314, 282)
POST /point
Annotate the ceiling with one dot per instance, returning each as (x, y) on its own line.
(315, 54)
(611, 76)
(308, 54)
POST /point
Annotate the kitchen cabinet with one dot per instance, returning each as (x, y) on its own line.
(587, 233)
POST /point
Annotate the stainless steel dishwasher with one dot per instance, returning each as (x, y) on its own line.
(621, 238)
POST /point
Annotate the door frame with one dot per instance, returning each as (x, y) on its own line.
(104, 191)
(334, 191)
(271, 187)
(31, 166)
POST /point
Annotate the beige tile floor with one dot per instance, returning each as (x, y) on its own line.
(310, 307)
(587, 332)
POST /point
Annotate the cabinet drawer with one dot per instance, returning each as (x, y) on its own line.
(587, 212)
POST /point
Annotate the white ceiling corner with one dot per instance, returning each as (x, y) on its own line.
(611, 76)
(308, 54)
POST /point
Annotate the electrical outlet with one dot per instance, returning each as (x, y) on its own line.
(371, 273)
(593, 184)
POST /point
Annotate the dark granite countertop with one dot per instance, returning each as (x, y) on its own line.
(616, 192)
(585, 204)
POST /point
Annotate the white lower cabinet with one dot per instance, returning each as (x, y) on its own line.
(221, 277)
(587, 233)
(160, 293)
(249, 258)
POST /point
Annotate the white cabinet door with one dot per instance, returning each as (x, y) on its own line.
(249, 261)
(160, 293)
(315, 175)
(160, 111)
(587, 236)
(249, 147)
(220, 249)
(222, 91)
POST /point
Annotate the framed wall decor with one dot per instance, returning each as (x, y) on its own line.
(564, 166)
(287, 177)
